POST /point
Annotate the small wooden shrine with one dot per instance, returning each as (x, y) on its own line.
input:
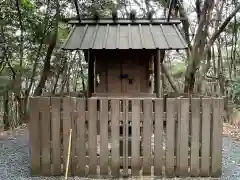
(125, 54)
(114, 134)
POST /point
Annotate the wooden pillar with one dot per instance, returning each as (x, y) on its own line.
(150, 75)
(157, 75)
(162, 77)
(94, 75)
(90, 74)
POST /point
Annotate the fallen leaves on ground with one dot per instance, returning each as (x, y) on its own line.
(231, 130)
(12, 133)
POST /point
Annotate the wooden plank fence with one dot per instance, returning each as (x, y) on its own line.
(115, 137)
(1, 123)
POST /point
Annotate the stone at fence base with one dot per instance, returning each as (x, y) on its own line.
(3, 136)
(1, 129)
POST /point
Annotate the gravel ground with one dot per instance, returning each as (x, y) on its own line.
(14, 158)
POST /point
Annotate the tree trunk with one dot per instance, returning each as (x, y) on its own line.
(170, 80)
(6, 111)
(46, 68)
(197, 54)
(82, 75)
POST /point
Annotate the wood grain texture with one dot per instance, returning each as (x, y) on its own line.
(34, 134)
(206, 127)
(170, 143)
(125, 137)
(195, 139)
(184, 132)
(158, 137)
(135, 163)
(92, 136)
(67, 121)
(115, 160)
(74, 136)
(56, 140)
(45, 135)
(147, 134)
(80, 141)
(216, 163)
(104, 137)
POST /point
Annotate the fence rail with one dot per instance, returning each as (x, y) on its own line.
(122, 136)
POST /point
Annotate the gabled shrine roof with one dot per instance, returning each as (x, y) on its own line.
(125, 34)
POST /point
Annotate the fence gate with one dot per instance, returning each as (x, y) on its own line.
(136, 130)
(125, 139)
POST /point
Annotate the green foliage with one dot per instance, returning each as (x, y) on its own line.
(63, 31)
(236, 91)
(231, 26)
(178, 69)
(4, 84)
(102, 7)
(27, 4)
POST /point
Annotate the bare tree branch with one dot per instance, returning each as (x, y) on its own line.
(21, 29)
(77, 9)
(217, 33)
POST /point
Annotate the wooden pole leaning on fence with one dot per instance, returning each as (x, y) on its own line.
(69, 151)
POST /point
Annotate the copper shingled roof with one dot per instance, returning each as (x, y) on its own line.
(125, 34)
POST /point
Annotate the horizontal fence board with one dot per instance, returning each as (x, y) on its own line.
(130, 160)
(148, 146)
